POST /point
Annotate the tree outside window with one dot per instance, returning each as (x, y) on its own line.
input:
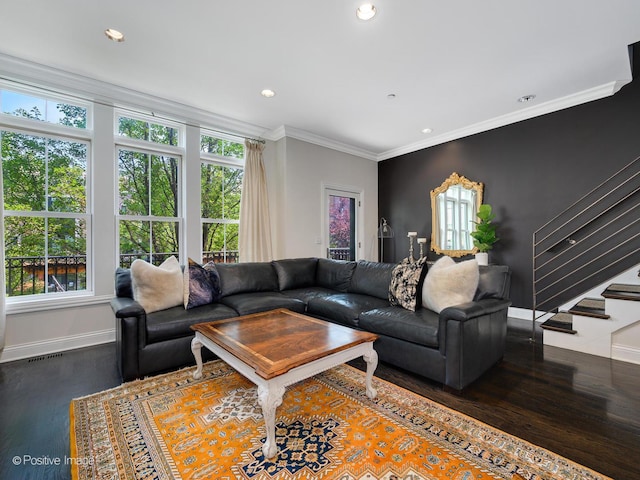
(46, 217)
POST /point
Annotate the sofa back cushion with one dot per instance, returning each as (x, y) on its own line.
(247, 277)
(123, 283)
(296, 273)
(372, 278)
(494, 282)
(334, 274)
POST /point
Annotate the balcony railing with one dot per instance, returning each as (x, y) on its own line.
(26, 275)
(339, 253)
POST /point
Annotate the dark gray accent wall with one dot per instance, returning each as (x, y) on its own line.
(531, 170)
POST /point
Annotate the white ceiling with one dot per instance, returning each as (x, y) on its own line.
(457, 67)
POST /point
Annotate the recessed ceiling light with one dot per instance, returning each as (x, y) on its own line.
(426, 130)
(267, 93)
(526, 98)
(115, 35)
(366, 11)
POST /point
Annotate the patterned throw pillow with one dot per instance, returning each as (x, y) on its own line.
(201, 284)
(405, 279)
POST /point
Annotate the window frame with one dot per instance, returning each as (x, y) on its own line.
(158, 149)
(54, 131)
(207, 158)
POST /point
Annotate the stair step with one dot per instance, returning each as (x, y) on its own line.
(622, 291)
(560, 322)
(590, 307)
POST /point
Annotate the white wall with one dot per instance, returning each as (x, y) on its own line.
(300, 171)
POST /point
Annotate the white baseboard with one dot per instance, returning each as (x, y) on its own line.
(54, 345)
(624, 353)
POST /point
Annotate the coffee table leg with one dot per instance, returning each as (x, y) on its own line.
(196, 348)
(270, 398)
(372, 362)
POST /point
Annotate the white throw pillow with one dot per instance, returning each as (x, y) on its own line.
(450, 283)
(157, 288)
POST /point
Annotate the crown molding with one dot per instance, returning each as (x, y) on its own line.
(292, 132)
(555, 105)
(48, 78)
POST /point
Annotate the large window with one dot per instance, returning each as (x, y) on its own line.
(221, 186)
(149, 207)
(45, 174)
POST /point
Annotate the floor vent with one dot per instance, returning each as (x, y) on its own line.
(45, 357)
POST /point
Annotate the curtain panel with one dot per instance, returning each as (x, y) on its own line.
(254, 241)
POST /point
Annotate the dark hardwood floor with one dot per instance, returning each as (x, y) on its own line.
(583, 407)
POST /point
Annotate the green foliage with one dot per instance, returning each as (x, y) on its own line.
(484, 236)
(42, 176)
(221, 190)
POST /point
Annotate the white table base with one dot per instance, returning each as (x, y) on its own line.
(270, 392)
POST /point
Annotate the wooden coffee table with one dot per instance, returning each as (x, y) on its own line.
(278, 348)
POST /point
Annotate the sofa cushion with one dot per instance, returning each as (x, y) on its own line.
(247, 277)
(175, 322)
(334, 274)
(406, 282)
(450, 283)
(306, 294)
(344, 308)
(494, 282)
(296, 273)
(419, 327)
(372, 278)
(157, 288)
(201, 284)
(123, 283)
(247, 303)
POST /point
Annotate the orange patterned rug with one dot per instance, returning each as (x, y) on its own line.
(174, 427)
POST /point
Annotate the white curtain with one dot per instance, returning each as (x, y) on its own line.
(254, 241)
(3, 293)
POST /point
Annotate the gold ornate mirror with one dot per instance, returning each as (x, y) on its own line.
(454, 205)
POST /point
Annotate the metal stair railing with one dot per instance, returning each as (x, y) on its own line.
(592, 238)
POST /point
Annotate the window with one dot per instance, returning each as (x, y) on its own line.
(221, 187)
(149, 207)
(45, 176)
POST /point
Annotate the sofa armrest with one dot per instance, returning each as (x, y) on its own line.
(466, 311)
(126, 307)
(472, 338)
(131, 320)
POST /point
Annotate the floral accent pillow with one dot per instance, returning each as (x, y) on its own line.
(405, 280)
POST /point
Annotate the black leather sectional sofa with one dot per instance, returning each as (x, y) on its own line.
(454, 347)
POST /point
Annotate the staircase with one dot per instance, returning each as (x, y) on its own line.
(593, 324)
(577, 257)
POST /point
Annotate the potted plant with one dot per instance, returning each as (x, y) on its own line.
(484, 236)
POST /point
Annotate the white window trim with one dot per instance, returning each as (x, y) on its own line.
(123, 113)
(52, 131)
(150, 149)
(50, 95)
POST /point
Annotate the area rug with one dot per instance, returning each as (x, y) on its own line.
(174, 427)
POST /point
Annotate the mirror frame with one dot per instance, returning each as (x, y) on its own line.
(454, 179)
